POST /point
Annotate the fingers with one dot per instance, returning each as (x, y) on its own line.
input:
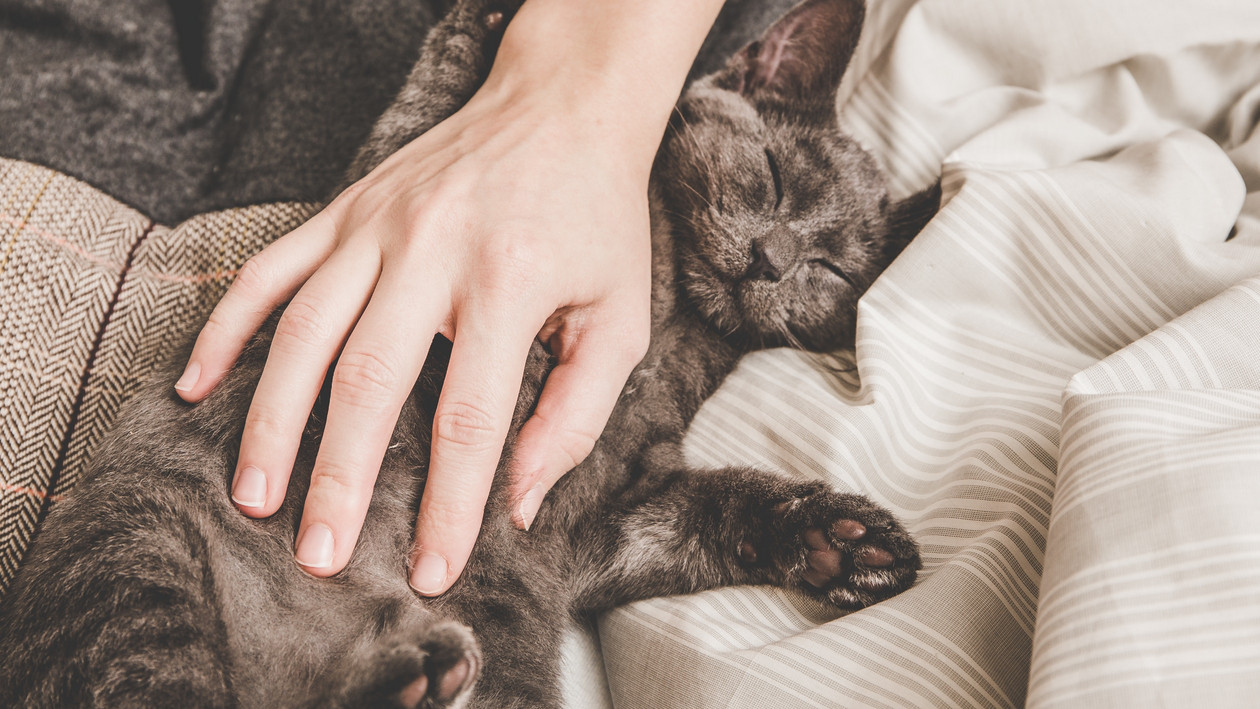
(309, 334)
(574, 406)
(263, 282)
(373, 377)
(471, 422)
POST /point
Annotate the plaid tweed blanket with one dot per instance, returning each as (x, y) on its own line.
(1056, 385)
(93, 296)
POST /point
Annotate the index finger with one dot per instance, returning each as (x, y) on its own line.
(469, 427)
(263, 282)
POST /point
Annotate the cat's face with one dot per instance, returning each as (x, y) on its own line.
(780, 219)
(779, 227)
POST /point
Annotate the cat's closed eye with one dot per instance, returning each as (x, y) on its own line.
(776, 177)
(833, 268)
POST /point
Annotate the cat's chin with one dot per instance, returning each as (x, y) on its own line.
(753, 315)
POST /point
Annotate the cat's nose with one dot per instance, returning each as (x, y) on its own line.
(762, 267)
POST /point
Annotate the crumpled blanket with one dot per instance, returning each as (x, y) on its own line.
(1056, 386)
(94, 296)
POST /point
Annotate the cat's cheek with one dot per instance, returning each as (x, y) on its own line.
(822, 314)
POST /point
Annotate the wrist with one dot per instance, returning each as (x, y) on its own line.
(612, 70)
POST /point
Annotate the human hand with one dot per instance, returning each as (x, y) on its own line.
(508, 221)
(523, 215)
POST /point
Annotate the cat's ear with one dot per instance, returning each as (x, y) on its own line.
(908, 217)
(802, 57)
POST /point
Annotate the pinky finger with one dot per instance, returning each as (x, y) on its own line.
(266, 280)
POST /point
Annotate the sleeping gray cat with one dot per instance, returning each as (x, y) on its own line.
(148, 588)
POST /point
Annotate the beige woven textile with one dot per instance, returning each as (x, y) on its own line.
(93, 295)
(1057, 386)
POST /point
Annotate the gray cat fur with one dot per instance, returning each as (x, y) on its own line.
(148, 588)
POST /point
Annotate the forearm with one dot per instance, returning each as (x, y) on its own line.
(619, 63)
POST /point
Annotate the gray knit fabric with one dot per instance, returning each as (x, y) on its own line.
(179, 107)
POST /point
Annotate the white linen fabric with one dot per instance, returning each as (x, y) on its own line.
(1057, 386)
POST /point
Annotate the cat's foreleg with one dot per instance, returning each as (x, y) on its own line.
(453, 64)
(683, 531)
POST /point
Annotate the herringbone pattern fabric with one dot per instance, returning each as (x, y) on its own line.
(93, 296)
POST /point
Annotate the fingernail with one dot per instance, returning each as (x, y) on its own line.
(528, 509)
(429, 574)
(315, 548)
(250, 487)
(188, 379)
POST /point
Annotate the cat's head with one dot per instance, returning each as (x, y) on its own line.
(781, 221)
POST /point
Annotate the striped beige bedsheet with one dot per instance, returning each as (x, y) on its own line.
(1057, 386)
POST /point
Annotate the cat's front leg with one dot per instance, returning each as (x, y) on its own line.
(840, 547)
(454, 62)
(687, 530)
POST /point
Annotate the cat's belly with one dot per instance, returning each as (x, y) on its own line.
(290, 633)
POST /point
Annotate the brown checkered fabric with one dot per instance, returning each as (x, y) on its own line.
(93, 295)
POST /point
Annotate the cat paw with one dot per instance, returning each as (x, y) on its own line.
(428, 669)
(451, 663)
(843, 548)
(490, 18)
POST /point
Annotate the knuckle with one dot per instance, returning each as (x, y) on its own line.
(218, 327)
(629, 346)
(422, 210)
(348, 196)
(637, 343)
(576, 445)
(264, 427)
(513, 265)
(451, 515)
(464, 425)
(573, 443)
(638, 334)
(364, 377)
(333, 482)
(302, 321)
(456, 513)
(254, 278)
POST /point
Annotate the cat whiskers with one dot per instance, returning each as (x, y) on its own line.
(697, 152)
(790, 336)
(686, 219)
(686, 131)
(711, 299)
(783, 327)
(696, 192)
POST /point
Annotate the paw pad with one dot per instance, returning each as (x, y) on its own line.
(455, 679)
(841, 547)
(493, 20)
(442, 679)
(874, 556)
(848, 529)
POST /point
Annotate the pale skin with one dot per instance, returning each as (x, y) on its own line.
(522, 216)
